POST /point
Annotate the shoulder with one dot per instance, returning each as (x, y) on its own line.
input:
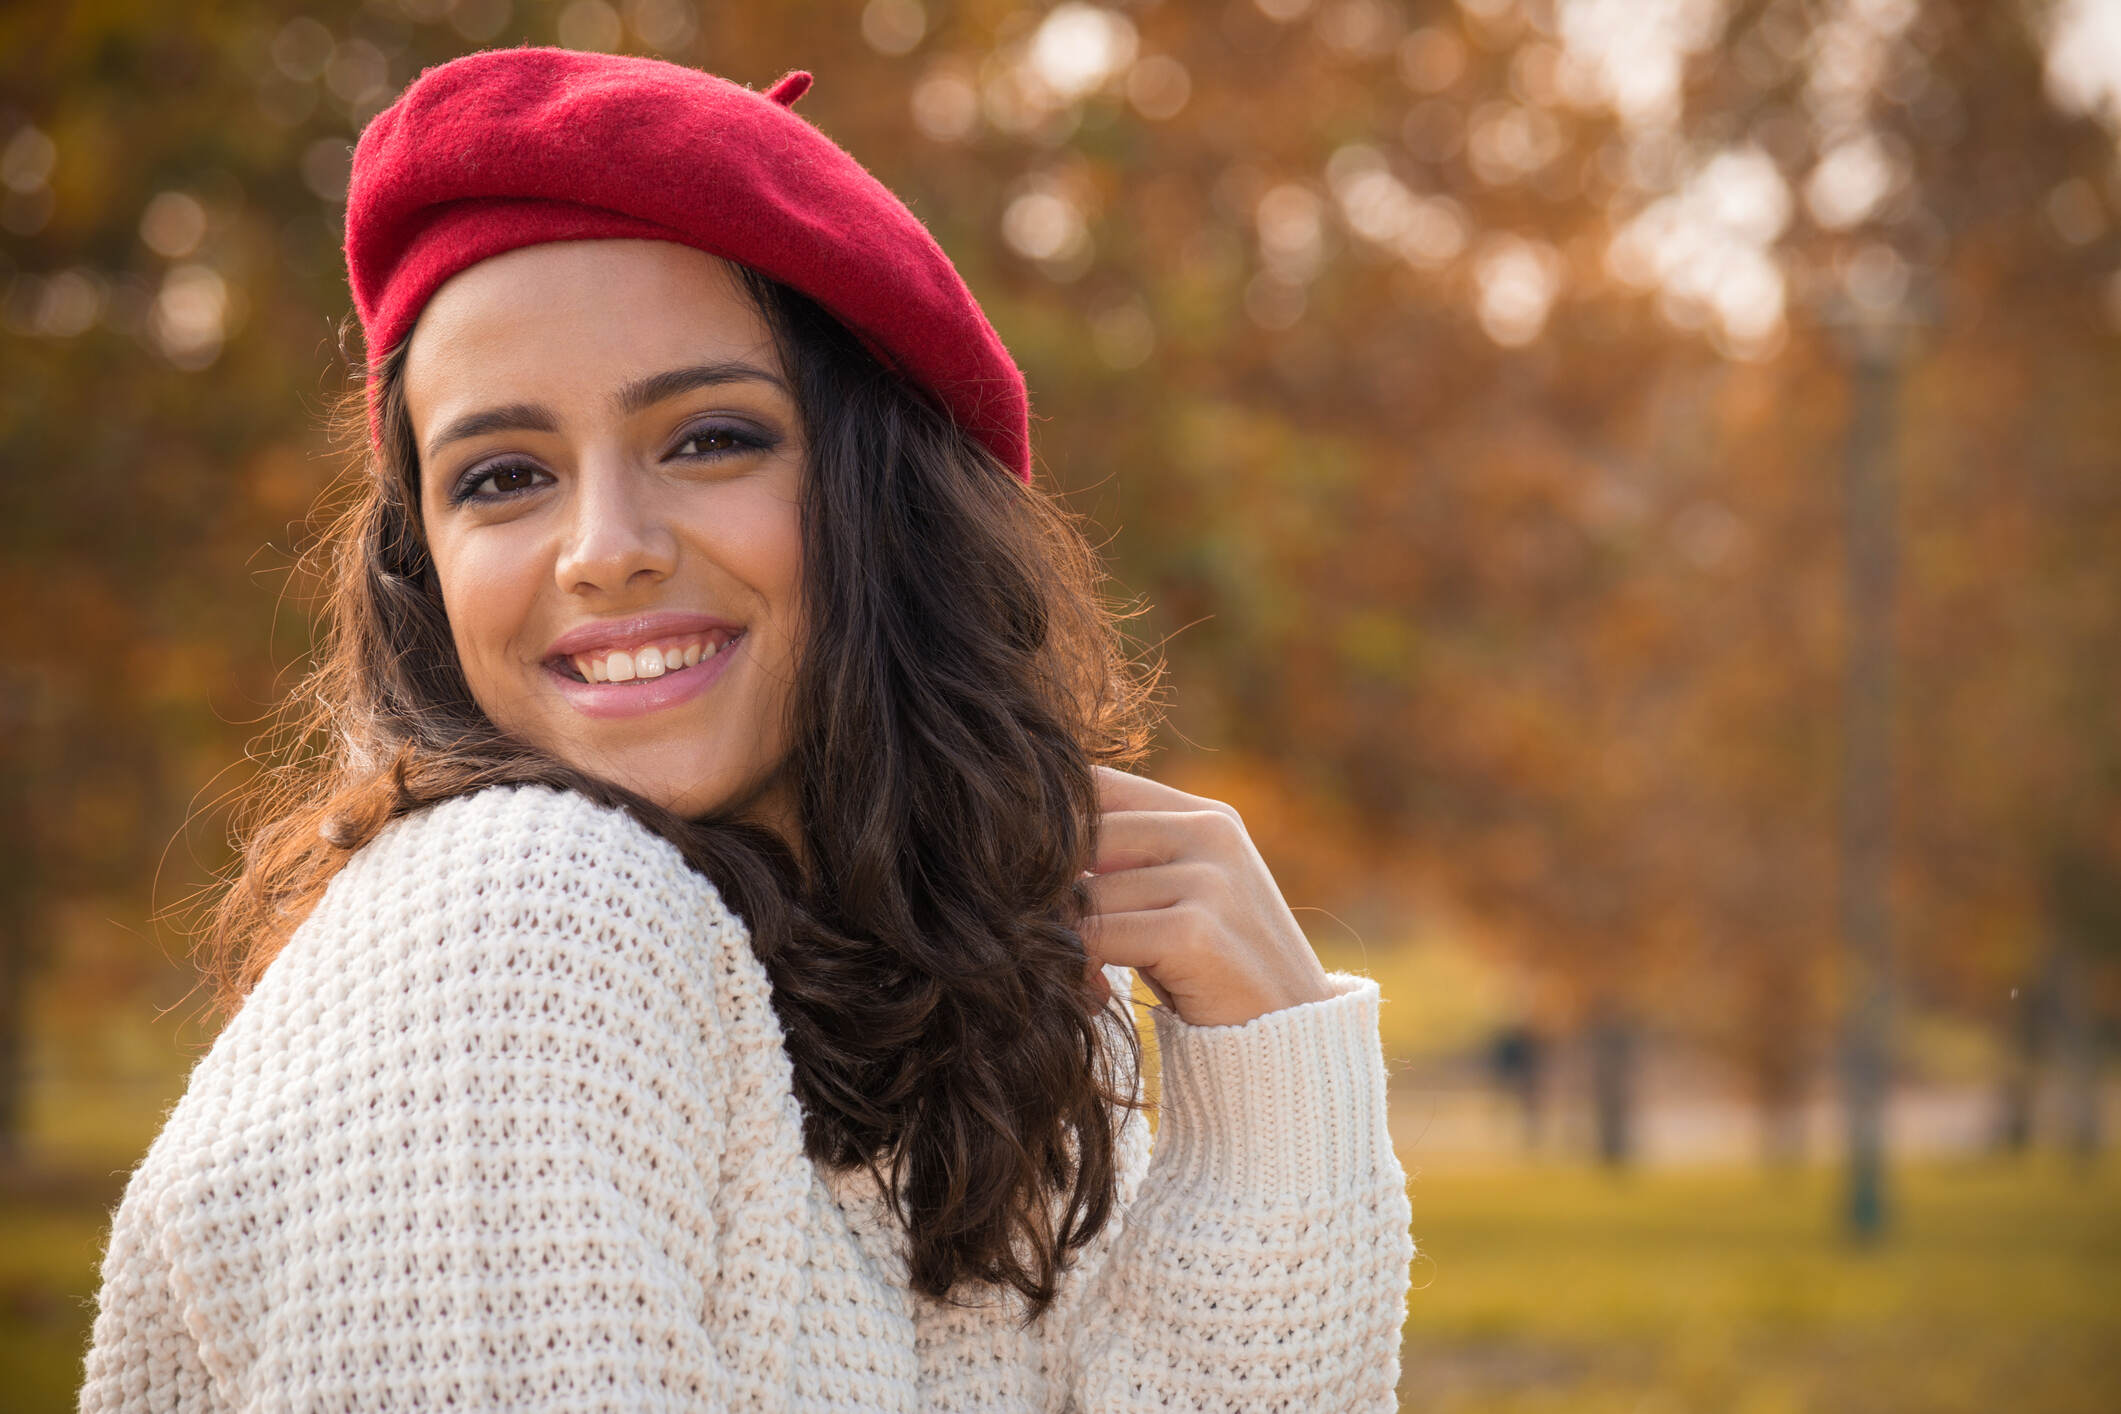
(526, 861)
(463, 924)
(524, 841)
(515, 1005)
(513, 926)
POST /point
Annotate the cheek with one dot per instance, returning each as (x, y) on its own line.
(778, 558)
(785, 576)
(488, 590)
(756, 541)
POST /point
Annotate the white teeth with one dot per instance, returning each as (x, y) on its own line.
(648, 661)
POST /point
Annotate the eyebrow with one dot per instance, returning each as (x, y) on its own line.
(637, 396)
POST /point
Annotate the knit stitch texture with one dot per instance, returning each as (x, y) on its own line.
(509, 1124)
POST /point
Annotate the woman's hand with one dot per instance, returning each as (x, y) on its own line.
(1179, 894)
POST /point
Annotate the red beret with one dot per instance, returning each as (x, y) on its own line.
(514, 147)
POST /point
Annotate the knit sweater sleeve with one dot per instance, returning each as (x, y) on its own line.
(1262, 1264)
(460, 1147)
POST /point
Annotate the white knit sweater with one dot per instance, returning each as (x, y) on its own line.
(509, 1124)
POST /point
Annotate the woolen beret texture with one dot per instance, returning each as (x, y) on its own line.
(515, 147)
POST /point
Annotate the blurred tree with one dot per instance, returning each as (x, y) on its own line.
(1454, 377)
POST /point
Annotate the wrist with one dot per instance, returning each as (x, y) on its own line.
(1289, 1106)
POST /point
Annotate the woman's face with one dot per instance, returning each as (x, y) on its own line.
(610, 459)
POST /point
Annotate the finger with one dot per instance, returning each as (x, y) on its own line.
(1118, 790)
(1138, 940)
(1135, 940)
(1135, 839)
(1155, 886)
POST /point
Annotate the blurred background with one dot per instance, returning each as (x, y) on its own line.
(1627, 491)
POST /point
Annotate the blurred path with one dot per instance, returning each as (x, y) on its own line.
(1447, 1117)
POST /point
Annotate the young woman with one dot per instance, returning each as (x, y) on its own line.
(689, 967)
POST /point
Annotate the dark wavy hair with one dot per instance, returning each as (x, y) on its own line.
(962, 673)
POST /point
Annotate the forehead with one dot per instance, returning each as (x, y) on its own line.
(573, 319)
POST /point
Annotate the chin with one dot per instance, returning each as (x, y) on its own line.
(682, 765)
(686, 789)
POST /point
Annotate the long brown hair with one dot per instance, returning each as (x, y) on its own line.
(962, 673)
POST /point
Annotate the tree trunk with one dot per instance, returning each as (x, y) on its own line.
(1613, 1066)
(2076, 1043)
(1866, 774)
(2021, 1072)
(14, 1015)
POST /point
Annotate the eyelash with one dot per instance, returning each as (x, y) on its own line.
(746, 441)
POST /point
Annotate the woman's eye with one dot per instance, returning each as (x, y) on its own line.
(511, 478)
(508, 479)
(718, 442)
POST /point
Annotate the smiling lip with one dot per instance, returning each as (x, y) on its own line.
(633, 699)
(601, 637)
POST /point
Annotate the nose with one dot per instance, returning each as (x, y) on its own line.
(617, 540)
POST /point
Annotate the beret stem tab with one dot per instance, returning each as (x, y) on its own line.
(791, 87)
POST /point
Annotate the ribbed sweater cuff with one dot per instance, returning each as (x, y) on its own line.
(1287, 1107)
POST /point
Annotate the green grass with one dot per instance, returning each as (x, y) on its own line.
(1547, 1289)
(1656, 1293)
(49, 1248)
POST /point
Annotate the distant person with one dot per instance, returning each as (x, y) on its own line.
(695, 972)
(1517, 1058)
